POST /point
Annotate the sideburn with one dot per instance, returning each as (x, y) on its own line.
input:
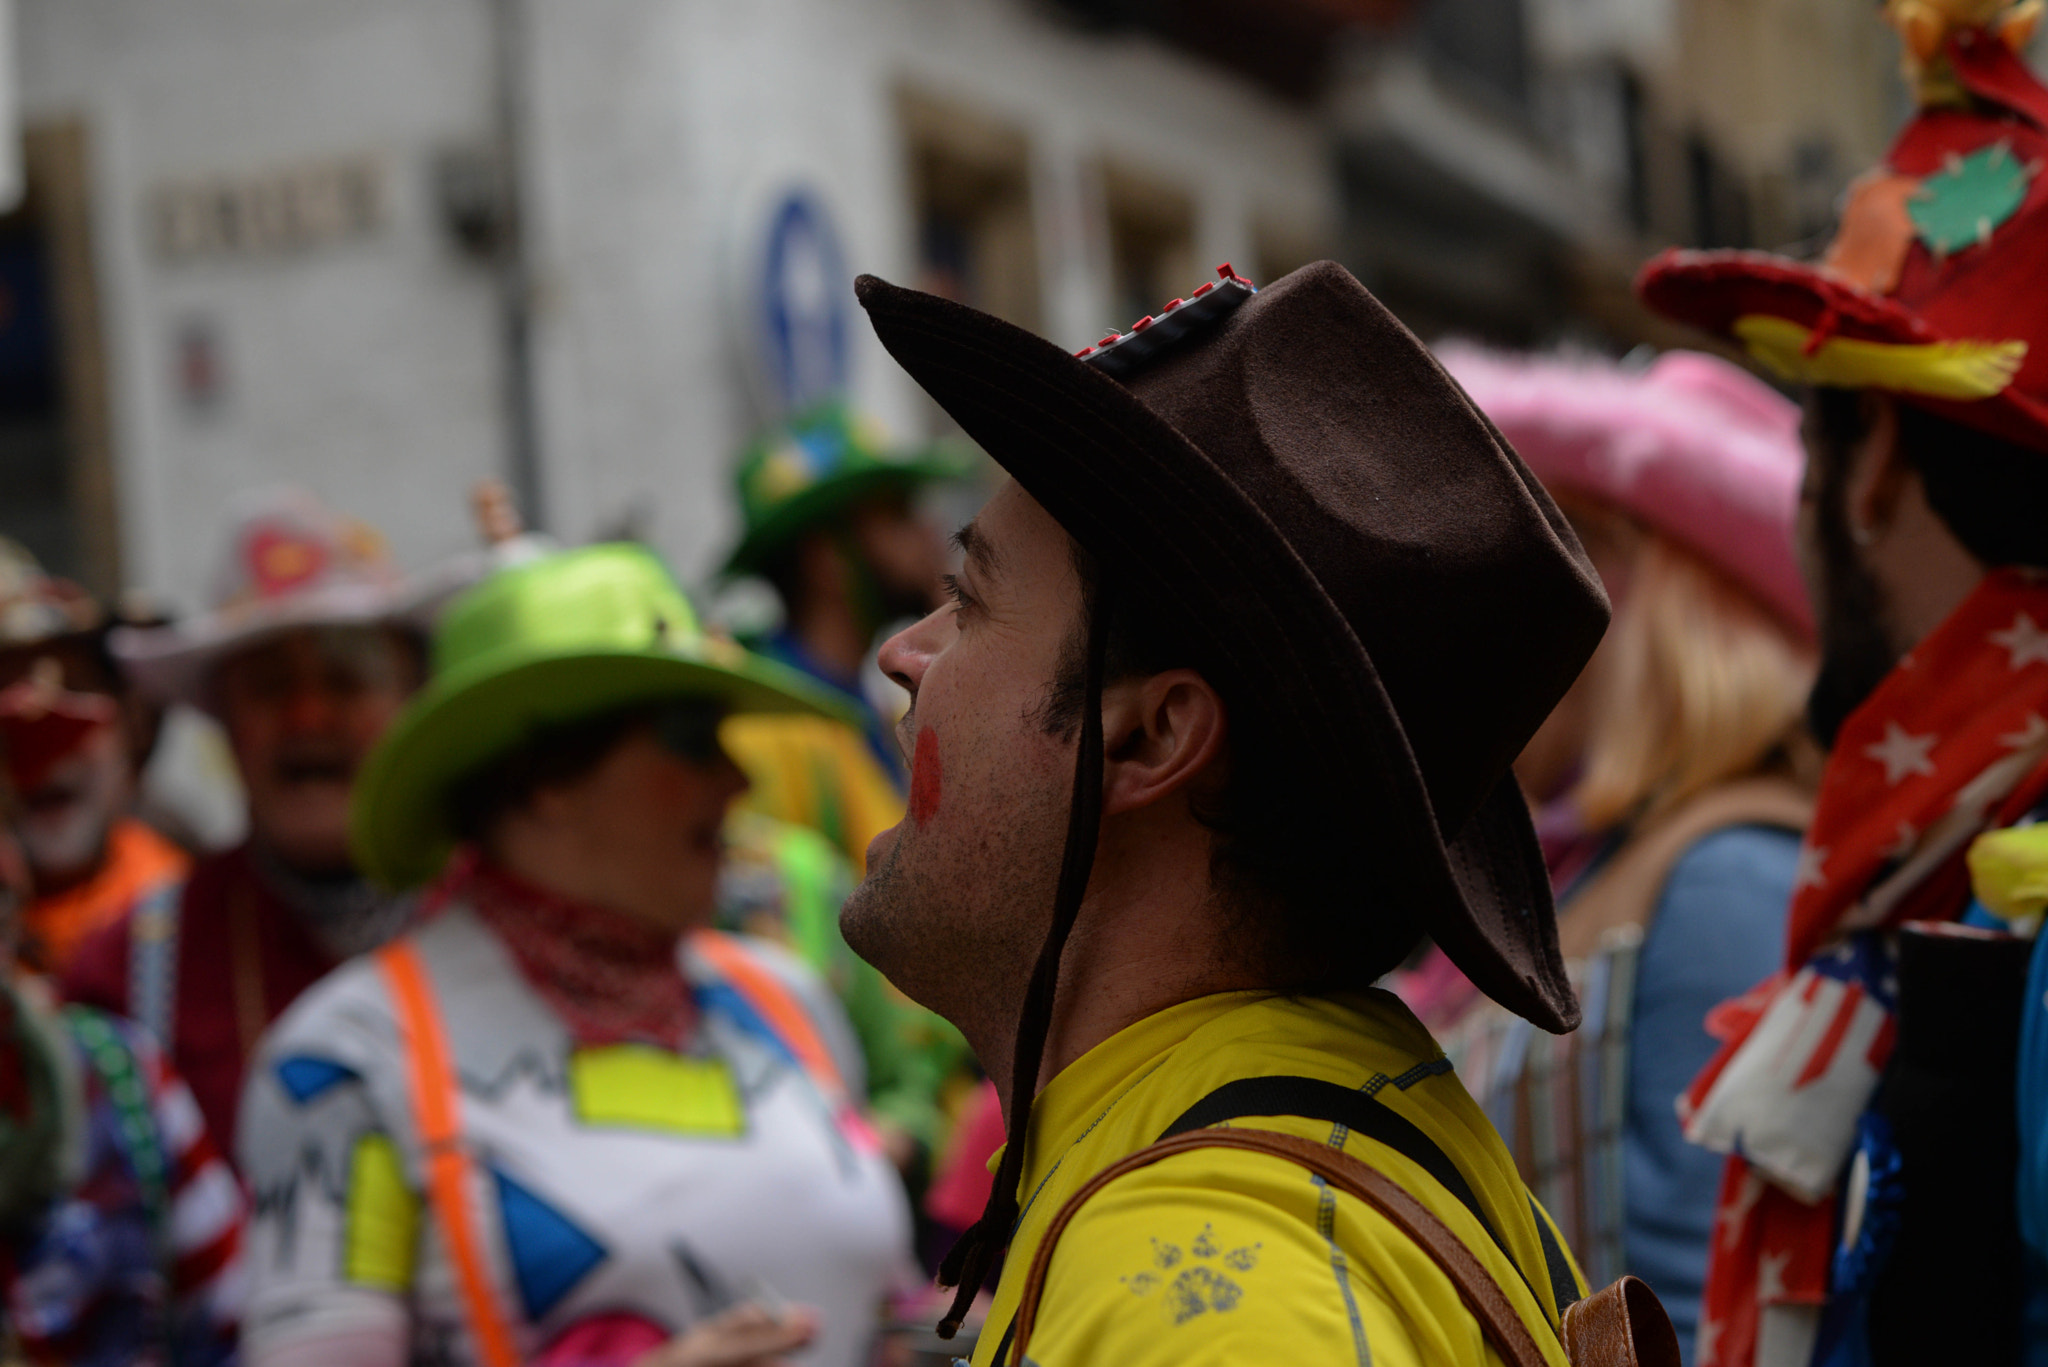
(1856, 647)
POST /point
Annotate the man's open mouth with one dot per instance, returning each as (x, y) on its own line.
(52, 797)
(309, 769)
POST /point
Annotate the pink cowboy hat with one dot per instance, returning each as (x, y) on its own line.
(1694, 447)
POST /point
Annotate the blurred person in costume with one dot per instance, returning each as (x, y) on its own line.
(563, 1121)
(1189, 774)
(1668, 782)
(1865, 1090)
(307, 656)
(779, 881)
(92, 860)
(829, 519)
(785, 883)
(120, 1225)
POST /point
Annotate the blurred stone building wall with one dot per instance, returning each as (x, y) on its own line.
(384, 248)
(1557, 143)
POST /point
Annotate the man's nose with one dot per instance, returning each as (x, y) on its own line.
(905, 656)
(309, 707)
(732, 780)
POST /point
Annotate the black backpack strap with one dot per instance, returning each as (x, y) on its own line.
(1003, 1348)
(1314, 1099)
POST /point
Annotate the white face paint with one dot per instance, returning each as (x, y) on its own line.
(65, 821)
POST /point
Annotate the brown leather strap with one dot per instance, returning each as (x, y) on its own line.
(1476, 1287)
(1620, 1326)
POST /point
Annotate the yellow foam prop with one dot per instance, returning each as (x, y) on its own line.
(1939, 370)
(2009, 872)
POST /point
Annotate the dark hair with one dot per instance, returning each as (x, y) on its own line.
(783, 569)
(550, 755)
(1296, 878)
(1992, 493)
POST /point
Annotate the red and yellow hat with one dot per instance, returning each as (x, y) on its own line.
(1933, 287)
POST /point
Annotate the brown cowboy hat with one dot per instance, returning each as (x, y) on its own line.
(1365, 548)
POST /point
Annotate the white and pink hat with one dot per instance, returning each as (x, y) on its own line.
(1692, 446)
(291, 562)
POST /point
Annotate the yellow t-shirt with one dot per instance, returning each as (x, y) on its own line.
(811, 771)
(1221, 1256)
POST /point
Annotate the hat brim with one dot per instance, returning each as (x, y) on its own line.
(174, 663)
(399, 819)
(1790, 317)
(1145, 500)
(1713, 290)
(805, 510)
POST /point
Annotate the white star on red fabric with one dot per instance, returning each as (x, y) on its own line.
(2024, 642)
(1709, 1350)
(1902, 845)
(2031, 733)
(1736, 1213)
(1770, 1277)
(1810, 873)
(1902, 753)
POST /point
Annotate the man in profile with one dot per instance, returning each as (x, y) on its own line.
(1216, 726)
(1866, 1094)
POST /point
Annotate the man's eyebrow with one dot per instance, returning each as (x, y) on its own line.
(979, 550)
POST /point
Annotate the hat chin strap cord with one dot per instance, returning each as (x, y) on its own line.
(966, 1266)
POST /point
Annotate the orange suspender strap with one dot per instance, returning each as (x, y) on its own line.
(775, 1005)
(434, 1102)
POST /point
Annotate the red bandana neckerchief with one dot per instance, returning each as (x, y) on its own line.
(611, 979)
(1952, 743)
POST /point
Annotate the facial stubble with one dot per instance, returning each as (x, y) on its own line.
(955, 910)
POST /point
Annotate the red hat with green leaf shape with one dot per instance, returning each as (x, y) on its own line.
(1933, 287)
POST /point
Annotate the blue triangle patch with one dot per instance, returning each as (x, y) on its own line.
(305, 1077)
(550, 1253)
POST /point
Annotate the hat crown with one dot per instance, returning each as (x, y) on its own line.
(287, 543)
(1454, 569)
(1693, 447)
(798, 474)
(616, 596)
(826, 442)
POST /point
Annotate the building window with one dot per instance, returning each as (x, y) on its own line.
(1720, 203)
(1151, 242)
(970, 188)
(55, 464)
(1284, 246)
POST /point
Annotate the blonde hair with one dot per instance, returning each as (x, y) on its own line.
(1697, 683)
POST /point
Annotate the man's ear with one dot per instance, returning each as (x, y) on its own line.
(1159, 734)
(1878, 471)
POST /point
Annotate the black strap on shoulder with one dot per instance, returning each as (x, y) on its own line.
(1003, 1348)
(1314, 1099)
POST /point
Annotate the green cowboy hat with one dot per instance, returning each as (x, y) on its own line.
(569, 635)
(795, 475)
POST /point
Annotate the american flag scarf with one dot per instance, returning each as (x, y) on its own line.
(1953, 742)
